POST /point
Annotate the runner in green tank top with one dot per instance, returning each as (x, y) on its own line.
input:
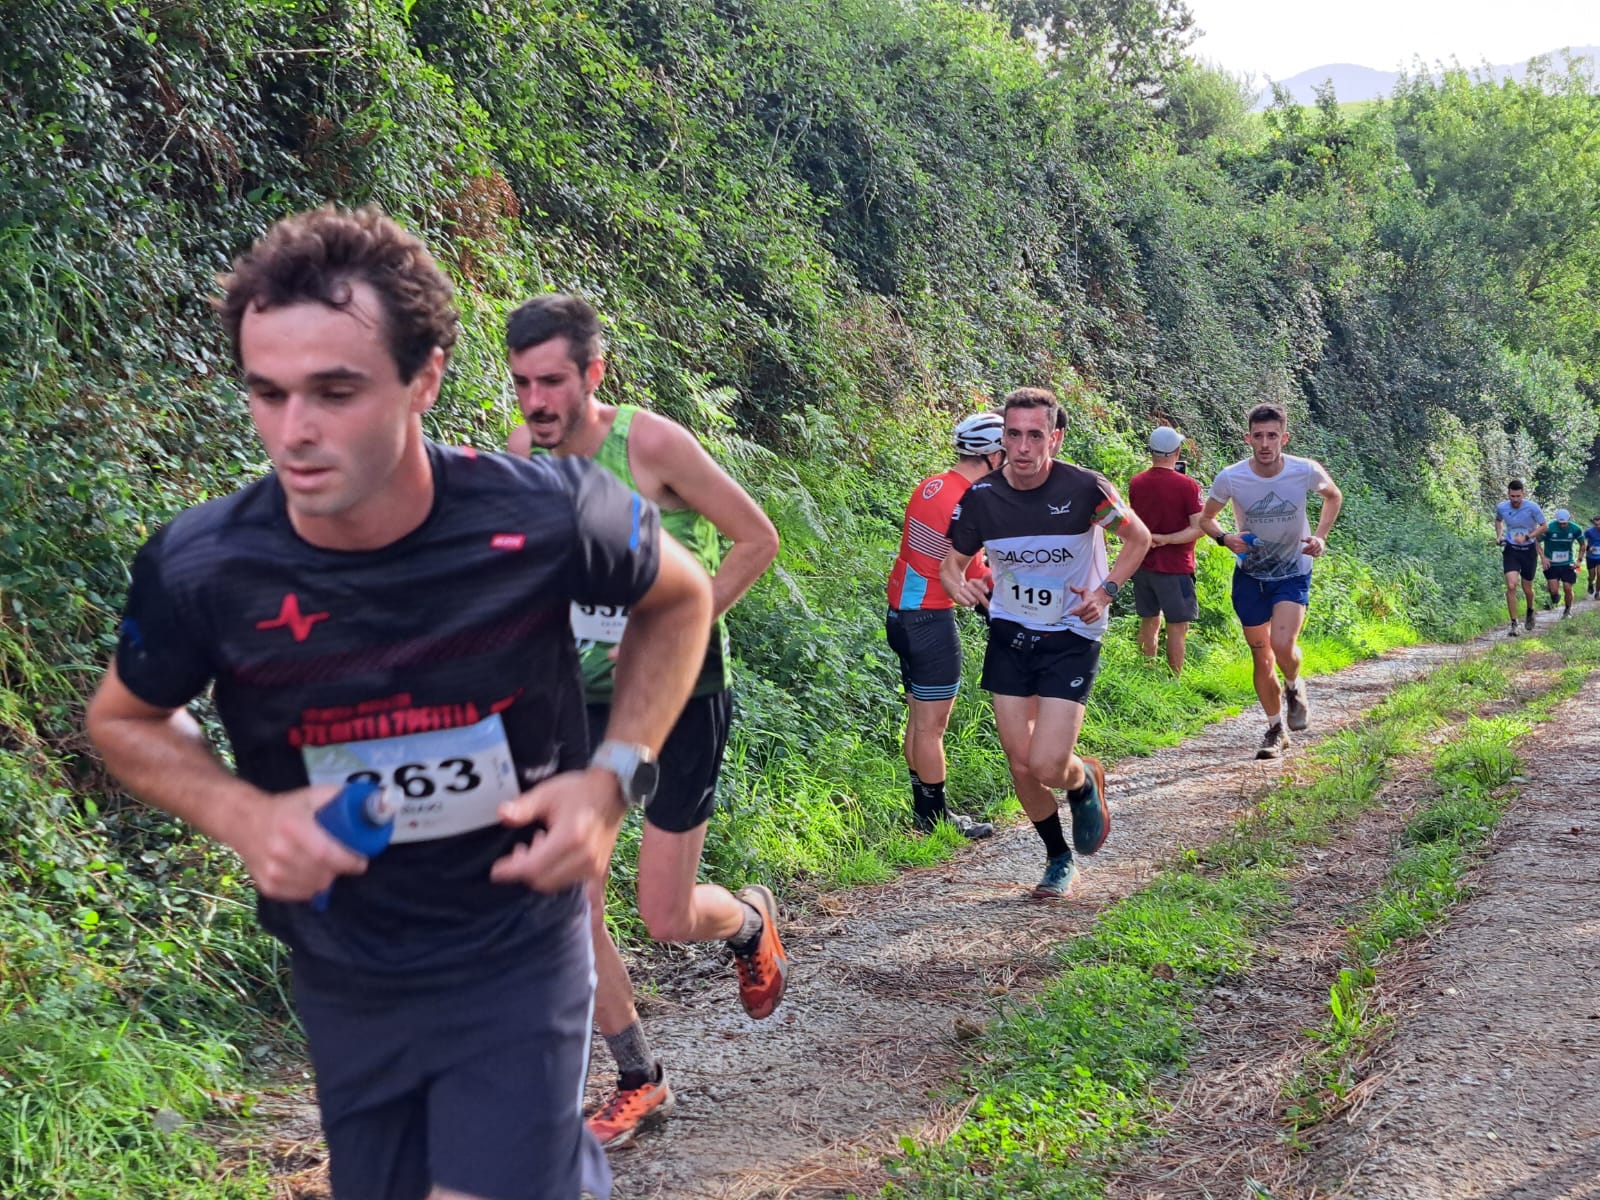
(557, 365)
(597, 631)
(1558, 552)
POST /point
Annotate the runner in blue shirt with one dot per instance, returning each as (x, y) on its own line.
(1591, 554)
(1518, 526)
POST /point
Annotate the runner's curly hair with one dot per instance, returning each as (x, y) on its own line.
(318, 256)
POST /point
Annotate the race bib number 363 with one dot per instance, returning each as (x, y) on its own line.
(444, 782)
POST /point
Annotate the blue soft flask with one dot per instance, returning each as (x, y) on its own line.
(360, 818)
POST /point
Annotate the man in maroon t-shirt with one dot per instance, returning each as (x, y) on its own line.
(1169, 503)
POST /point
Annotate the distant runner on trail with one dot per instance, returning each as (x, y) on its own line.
(1559, 555)
(1044, 525)
(1169, 503)
(1518, 526)
(921, 621)
(382, 609)
(557, 364)
(1272, 585)
(1591, 555)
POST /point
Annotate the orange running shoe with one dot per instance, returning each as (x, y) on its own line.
(630, 1111)
(765, 973)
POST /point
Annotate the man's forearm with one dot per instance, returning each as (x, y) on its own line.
(744, 563)
(1330, 513)
(661, 651)
(1135, 545)
(168, 763)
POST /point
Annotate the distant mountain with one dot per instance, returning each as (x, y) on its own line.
(1351, 82)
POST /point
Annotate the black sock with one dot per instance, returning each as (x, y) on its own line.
(1051, 834)
(748, 938)
(927, 801)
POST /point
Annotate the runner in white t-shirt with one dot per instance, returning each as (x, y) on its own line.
(1272, 584)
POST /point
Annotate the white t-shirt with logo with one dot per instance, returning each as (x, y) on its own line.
(1275, 511)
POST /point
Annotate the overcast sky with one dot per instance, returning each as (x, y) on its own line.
(1276, 39)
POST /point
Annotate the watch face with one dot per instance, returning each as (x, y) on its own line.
(646, 775)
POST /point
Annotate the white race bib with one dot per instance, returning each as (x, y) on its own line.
(445, 781)
(1559, 556)
(599, 622)
(1039, 599)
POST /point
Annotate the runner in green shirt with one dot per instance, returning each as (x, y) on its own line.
(1558, 551)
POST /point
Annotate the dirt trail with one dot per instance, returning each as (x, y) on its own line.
(889, 979)
(1489, 1087)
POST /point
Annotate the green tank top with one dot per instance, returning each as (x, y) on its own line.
(598, 631)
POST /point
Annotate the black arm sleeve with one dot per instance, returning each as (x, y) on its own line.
(618, 548)
(159, 658)
(966, 533)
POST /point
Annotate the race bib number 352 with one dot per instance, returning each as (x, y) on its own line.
(443, 782)
(598, 623)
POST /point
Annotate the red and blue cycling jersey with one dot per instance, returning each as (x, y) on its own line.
(924, 542)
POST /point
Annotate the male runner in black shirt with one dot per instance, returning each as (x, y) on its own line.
(1043, 523)
(379, 606)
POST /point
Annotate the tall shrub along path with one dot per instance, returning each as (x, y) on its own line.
(889, 980)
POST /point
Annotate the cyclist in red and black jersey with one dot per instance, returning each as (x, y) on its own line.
(382, 607)
(921, 624)
(1043, 524)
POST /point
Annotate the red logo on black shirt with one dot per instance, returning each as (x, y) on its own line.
(289, 618)
(508, 541)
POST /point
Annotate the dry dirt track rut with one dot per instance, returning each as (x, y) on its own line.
(1490, 1089)
(886, 978)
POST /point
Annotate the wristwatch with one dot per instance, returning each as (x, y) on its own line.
(1221, 539)
(634, 766)
(1111, 587)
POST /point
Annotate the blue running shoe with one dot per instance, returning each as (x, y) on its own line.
(1091, 818)
(1059, 873)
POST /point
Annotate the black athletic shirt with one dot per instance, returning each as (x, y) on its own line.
(442, 663)
(1042, 542)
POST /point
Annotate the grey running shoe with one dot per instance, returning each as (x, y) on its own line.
(1528, 622)
(1513, 632)
(1058, 876)
(1274, 742)
(968, 828)
(1295, 700)
(1566, 612)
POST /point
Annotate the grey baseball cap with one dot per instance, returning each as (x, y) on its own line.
(1164, 439)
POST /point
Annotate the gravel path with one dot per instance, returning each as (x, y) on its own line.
(1491, 1086)
(889, 980)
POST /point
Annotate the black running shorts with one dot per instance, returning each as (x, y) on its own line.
(1524, 560)
(475, 1088)
(691, 759)
(1561, 573)
(929, 649)
(1162, 592)
(1025, 662)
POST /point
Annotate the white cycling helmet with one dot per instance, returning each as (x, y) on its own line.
(981, 433)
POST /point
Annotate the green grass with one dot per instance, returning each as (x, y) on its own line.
(1059, 1084)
